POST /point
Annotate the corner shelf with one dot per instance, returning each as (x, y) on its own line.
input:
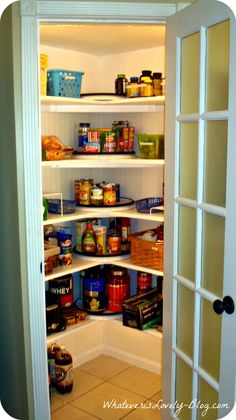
(102, 103)
(101, 161)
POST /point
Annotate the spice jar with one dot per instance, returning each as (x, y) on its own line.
(118, 288)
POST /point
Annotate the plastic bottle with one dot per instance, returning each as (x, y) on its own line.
(118, 288)
(132, 89)
(120, 85)
(63, 371)
(145, 73)
(157, 84)
(53, 349)
(83, 134)
(89, 239)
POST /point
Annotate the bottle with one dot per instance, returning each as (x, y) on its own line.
(120, 85)
(94, 290)
(125, 234)
(114, 237)
(53, 349)
(118, 288)
(132, 89)
(145, 73)
(157, 84)
(146, 87)
(163, 84)
(63, 371)
(83, 135)
(89, 239)
(144, 282)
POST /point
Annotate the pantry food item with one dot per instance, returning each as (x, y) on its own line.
(52, 351)
(80, 228)
(109, 195)
(83, 134)
(94, 290)
(143, 311)
(73, 315)
(157, 84)
(63, 288)
(132, 89)
(144, 282)
(89, 244)
(53, 148)
(100, 232)
(65, 243)
(118, 288)
(85, 191)
(120, 84)
(97, 196)
(63, 371)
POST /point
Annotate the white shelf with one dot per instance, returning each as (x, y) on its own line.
(101, 161)
(78, 215)
(102, 103)
(80, 264)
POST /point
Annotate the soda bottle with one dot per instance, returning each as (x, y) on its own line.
(52, 351)
(63, 371)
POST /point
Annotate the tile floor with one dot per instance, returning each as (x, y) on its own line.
(109, 380)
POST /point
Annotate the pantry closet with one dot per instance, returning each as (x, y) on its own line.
(197, 341)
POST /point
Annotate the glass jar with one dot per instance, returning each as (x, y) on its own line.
(144, 282)
(118, 288)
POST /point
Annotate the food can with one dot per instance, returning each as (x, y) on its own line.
(114, 244)
(110, 142)
(65, 243)
(100, 232)
(109, 195)
(131, 139)
(97, 196)
(144, 282)
(125, 136)
(85, 192)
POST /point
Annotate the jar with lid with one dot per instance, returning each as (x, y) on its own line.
(63, 371)
(157, 84)
(144, 282)
(85, 191)
(146, 87)
(118, 288)
(132, 89)
(83, 134)
(146, 73)
(120, 84)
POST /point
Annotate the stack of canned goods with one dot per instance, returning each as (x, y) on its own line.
(100, 194)
(119, 138)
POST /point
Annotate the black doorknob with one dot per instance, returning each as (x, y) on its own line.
(227, 305)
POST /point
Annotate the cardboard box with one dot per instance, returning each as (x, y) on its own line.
(143, 311)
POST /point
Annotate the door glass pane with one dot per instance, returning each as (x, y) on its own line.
(213, 253)
(186, 251)
(183, 389)
(217, 66)
(210, 339)
(215, 163)
(190, 73)
(185, 320)
(208, 396)
(188, 160)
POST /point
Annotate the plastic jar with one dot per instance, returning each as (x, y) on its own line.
(132, 89)
(83, 134)
(144, 282)
(157, 84)
(145, 73)
(118, 288)
(120, 85)
(94, 291)
(146, 87)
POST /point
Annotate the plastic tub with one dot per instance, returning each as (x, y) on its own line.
(151, 146)
(64, 83)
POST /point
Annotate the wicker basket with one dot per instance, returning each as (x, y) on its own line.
(147, 253)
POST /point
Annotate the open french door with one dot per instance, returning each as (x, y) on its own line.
(199, 354)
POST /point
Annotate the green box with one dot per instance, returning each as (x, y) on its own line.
(151, 146)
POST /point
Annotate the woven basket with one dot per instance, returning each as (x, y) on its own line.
(147, 253)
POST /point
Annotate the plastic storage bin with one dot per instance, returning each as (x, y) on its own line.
(64, 83)
(151, 146)
(147, 204)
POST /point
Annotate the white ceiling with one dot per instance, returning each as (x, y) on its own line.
(101, 39)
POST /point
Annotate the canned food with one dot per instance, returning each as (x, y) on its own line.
(144, 282)
(114, 244)
(100, 232)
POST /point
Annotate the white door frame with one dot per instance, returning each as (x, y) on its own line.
(32, 13)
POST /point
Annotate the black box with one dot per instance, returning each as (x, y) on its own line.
(143, 311)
